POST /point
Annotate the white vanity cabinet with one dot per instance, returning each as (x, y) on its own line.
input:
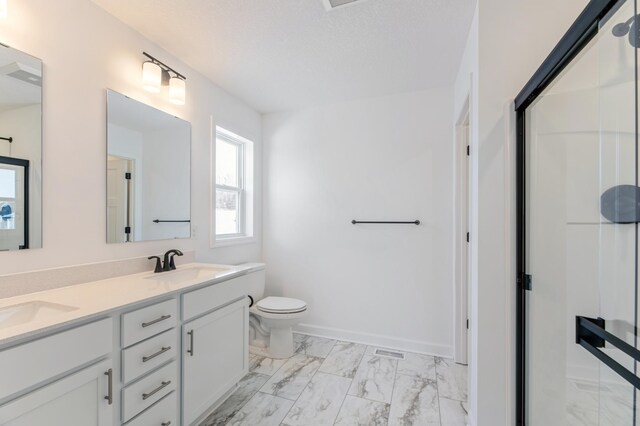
(215, 346)
(61, 379)
(76, 400)
(162, 360)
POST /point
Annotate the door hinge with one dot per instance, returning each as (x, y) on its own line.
(127, 176)
(468, 150)
(127, 229)
(467, 237)
(524, 281)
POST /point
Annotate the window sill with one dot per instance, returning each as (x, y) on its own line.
(233, 241)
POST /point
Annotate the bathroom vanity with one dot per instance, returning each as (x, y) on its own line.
(143, 349)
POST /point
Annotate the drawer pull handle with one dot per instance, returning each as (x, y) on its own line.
(155, 321)
(165, 423)
(156, 390)
(109, 397)
(190, 350)
(152, 356)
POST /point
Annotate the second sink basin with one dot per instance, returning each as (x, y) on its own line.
(189, 274)
(37, 310)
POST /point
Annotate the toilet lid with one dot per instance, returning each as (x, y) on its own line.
(281, 305)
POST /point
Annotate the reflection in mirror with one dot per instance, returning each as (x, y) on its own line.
(148, 172)
(20, 150)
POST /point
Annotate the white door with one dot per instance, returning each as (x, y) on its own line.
(12, 207)
(462, 243)
(117, 199)
(467, 252)
(215, 353)
(76, 400)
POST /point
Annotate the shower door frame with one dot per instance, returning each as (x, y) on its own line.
(581, 32)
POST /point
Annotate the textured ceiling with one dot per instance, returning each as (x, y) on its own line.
(287, 54)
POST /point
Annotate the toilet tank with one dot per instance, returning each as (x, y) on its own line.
(256, 284)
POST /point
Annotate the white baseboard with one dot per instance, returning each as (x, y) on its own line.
(426, 348)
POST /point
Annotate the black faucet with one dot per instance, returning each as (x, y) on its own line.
(169, 264)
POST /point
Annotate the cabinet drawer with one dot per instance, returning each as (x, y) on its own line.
(144, 393)
(144, 357)
(164, 413)
(206, 299)
(149, 321)
(31, 363)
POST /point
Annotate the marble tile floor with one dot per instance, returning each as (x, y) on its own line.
(329, 382)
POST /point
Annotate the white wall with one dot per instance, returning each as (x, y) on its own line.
(375, 159)
(85, 51)
(512, 40)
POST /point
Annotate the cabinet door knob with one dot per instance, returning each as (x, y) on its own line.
(109, 397)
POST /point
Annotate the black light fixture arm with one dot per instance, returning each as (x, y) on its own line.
(164, 66)
(9, 139)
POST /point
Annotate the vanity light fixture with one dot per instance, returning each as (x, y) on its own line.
(156, 74)
(3, 9)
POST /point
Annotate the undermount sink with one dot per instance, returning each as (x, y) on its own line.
(37, 310)
(188, 274)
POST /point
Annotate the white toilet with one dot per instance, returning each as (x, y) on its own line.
(271, 320)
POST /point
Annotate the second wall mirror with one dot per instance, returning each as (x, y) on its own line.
(20, 150)
(148, 172)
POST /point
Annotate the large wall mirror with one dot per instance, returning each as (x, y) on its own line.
(148, 172)
(20, 150)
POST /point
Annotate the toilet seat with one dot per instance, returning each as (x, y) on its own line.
(281, 305)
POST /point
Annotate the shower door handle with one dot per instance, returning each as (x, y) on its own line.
(591, 335)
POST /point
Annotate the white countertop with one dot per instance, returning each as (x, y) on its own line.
(98, 298)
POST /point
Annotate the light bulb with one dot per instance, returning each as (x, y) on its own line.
(177, 90)
(151, 77)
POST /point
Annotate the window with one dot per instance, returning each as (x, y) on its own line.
(233, 186)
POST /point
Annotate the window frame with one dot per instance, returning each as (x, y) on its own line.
(241, 144)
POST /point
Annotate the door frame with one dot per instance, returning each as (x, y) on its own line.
(581, 32)
(462, 227)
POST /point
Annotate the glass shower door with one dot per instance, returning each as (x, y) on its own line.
(582, 235)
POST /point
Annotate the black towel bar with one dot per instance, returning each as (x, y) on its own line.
(414, 222)
(591, 335)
